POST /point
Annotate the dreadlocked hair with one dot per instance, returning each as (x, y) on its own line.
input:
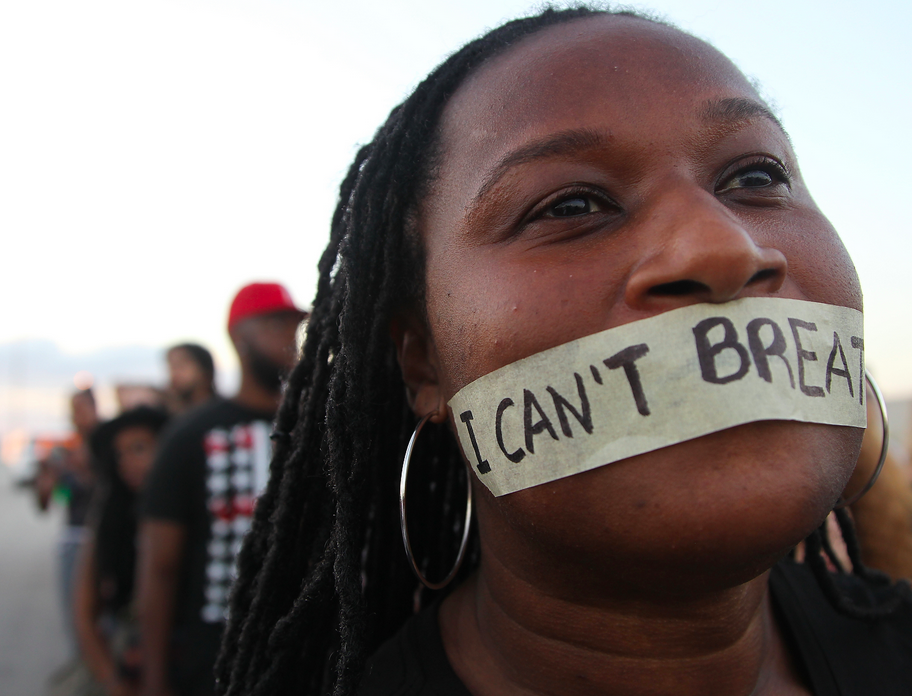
(322, 576)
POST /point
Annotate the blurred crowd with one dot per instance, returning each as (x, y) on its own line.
(157, 501)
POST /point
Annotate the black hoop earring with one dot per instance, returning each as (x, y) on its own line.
(404, 526)
(883, 448)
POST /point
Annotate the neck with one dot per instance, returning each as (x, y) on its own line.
(502, 636)
(254, 395)
(201, 394)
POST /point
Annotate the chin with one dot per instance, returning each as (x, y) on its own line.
(711, 512)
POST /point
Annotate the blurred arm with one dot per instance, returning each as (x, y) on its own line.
(45, 480)
(161, 547)
(86, 609)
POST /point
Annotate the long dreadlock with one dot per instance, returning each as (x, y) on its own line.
(322, 578)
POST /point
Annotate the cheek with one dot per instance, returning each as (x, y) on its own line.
(145, 466)
(475, 310)
(501, 307)
(279, 347)
(133, 469)
(127, 468)
(818, 262)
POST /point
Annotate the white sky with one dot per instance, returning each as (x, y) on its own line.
(157, 154)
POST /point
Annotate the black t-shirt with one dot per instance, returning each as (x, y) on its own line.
(210, 467)
(839, 656)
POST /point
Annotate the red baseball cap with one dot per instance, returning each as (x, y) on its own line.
(261, 298)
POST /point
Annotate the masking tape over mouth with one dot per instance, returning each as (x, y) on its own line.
(659, 381)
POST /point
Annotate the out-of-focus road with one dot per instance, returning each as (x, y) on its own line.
(32, 642)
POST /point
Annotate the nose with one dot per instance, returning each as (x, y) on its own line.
(699, 251)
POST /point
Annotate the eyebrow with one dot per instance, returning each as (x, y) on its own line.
(576, 141)
(564, 144)
(736, 109)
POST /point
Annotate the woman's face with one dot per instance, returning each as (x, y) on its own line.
(134, 449)
(602, 172)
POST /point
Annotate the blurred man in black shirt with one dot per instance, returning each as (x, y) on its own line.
(199, 499)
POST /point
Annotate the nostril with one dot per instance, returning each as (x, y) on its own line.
(683, 288)
(678, 288)
(765, 274)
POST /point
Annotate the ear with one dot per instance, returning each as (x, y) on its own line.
(418, 360)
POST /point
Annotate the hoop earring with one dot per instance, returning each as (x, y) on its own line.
(404, 526)
(883, 448)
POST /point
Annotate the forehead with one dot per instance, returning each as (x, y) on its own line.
(621, 74)
(180, 355)
(132, 432)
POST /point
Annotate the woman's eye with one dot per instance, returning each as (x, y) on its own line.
(571, 212)
(578, 205)
(752, 179)
(765, 175)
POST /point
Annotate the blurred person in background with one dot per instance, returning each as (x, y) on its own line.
(132, 395)
(199, 500)
(68, 477)
(123, 449)
(191, 376)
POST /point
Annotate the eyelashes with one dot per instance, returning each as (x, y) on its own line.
(756, 173)
(578, 205)
(579, 208)
(574, 201)
(572, 212)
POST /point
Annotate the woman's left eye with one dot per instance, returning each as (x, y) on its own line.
(764, 174)
(752, 179)
(576, 205)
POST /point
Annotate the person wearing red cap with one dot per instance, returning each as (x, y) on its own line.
(199, 499)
